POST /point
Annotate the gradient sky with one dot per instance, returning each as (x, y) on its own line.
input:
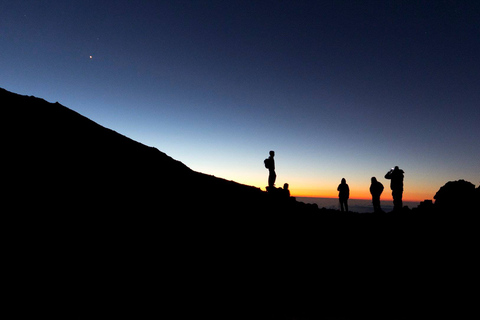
(337, 88)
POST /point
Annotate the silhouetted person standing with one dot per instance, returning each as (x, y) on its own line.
(343, 194)
(286, 192)
(376, 189)
(396, 184)
(270, 165)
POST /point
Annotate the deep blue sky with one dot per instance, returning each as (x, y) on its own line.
(336, 88)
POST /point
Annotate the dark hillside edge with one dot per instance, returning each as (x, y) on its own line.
(67, 161)
(116, 229)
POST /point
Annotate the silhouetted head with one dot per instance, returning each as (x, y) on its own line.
(374, 179)
(272, 153)
(396, 168)
(285, 186)
(344, 181)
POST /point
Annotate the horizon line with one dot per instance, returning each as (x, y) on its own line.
(404, 200)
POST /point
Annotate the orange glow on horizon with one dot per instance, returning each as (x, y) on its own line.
(389, 198)
(386, 195)
(328, 190)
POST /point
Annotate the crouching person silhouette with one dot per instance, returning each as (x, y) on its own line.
(286, 192)
(343, 195)
(270, 165)
(376, 189)
(396, 184)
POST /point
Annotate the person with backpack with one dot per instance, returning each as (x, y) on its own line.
(270, 165)
(376, 189)
(343, 195)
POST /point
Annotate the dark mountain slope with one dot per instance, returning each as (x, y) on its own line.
(66, 161)
(110, 228)
(118, 216)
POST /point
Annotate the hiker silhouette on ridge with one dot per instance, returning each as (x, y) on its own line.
(286, 192)
(376, 189)
(396, 184)
(343, 195)
(270, 165)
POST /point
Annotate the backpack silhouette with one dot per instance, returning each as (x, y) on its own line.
(268, 163)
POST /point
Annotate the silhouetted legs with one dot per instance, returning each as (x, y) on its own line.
(271, 178)
(376, 204)
(343, 204)
(397, 200)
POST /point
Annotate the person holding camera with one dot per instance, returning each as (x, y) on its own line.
(396, 184)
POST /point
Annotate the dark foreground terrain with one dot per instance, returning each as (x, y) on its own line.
(103, 231)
